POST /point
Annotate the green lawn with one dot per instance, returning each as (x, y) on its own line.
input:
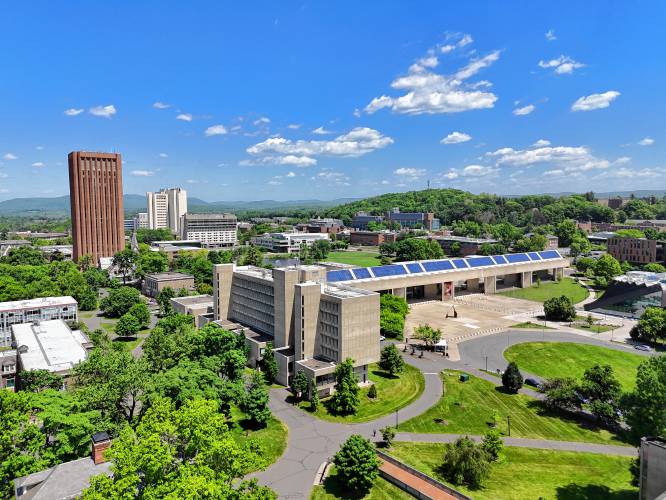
(392, 394)
(594, 328)
(529, 324)
(363, 259)
(527, 473)
(334, 488)
(272, 439)
(468, 407)
(550, 289)
(567, 359)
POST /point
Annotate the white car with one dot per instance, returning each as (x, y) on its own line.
(642, 347)
(382, 338)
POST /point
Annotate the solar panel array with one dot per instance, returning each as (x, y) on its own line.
(429, 266)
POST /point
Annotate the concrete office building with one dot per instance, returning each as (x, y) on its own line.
(313, 325)
(361, 220)
(371, 238)
(29, 311)
(636, 250)
(212, 230)
(414, 220)
(287, 242)
(652, 454)
(96, 197)
(141, 220)
(153, 284)
(166, 208)
(196, 306)
(320, 225)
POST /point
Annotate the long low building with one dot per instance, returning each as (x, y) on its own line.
(317, 318)
(28, 311)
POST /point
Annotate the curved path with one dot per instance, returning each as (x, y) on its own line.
(313, 441)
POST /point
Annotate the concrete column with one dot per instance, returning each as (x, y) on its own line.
(284, 282)
(510, 279)
(473, 285)
(223, 275)
(558, 273)
(526, 279)
(400, 292)
(430, 291)
(490, 285)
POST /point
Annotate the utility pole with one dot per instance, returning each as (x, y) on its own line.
(396, 419)
(508, 423)
(486, 363)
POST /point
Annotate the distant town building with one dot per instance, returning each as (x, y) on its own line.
(361, 220)
(96, 197)
(552, 241)
(166, 208)
(371, 238)
(8, 361)
(212, 230)
(153, 284)
(331, 226)
(141, 220)
(29, 311)
(615, 202)
(636, 250)
(57, 252)
(49, 345)
(462, 245)
(287, 242)
(413, 220)
(652, 454)
(601, 237)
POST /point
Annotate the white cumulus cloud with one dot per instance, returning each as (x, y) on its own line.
(10, 156)
(39, 164)
(456, 138)
(563, 65)
(542, 142)
(647, 141)
(595, 101)
(525, 110)
(550, 35)
(186, 117)
(142, 173)
(161, 105)
(73, 111)
(215, 130)
(410, 172)
(321, 131)
(568, 158)
(104, 111)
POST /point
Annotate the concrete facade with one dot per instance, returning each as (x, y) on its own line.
(212, 230)
(153, 284)
(166, 208)
(30, 311)
(652, 455)
(287, 242)
(636, 250)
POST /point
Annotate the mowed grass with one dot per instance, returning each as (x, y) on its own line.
(567, 359)
(468, 408)
(548, 290)
(272, 439)
(532, 326)
(393, 393)
(528, 473)
(334, 487)
(355, 258)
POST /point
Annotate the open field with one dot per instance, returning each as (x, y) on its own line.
(333, 488)
(561, 474)
(469, 407)
(392, 394)
(566, 359)
(363, 259)
(548, 290)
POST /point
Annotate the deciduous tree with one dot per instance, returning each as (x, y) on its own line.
(357, 464)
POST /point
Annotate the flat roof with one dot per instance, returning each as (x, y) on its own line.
(50, 345)
(465, 239)
(170, 276)
(315, 364)
(41, 302)
(193, 299)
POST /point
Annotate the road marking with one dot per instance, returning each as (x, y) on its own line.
(430, 373)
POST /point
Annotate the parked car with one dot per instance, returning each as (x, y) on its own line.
(532, 382)
(643, 347)
(382, 338)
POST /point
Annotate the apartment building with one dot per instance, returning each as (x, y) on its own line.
(29, 311)
(636, 250)
(212, 230)
(166, 208)
(313, 325)
(287, 242)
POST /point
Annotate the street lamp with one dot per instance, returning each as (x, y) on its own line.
(396, 419)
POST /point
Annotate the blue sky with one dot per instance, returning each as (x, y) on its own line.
(301, 100)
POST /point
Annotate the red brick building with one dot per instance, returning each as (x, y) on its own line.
(371, 238)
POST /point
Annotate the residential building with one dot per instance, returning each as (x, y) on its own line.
(153, 284)
(462, 245)
(96, 197)
(371, 238)
(414, 220)
(652, 454)
(166, 208)
(8, 361)
(361, 220)
(49, 345)
(195, 306)
(29, 311)
(287, 242)
(312, 325)
(212, 230)
(636, 250)
(66, 480)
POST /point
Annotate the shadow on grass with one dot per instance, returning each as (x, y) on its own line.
(386, 375)
(336, 486)
(248, 425)
(504, 390)
(592, 492)
(125, 339)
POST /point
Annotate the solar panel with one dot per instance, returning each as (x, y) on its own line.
(499, 259)
(515, 258)
(534, 255)
(342, 275)
(460, 263)
(550, 254)
(437, 265)
(361, 273)
(414, 267)
(390, 270)
(480, 261)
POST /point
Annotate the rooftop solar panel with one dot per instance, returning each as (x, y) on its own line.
(534, 255)
(499, 259)
(515, 258)
(437, 265)
(480, 261)
(390, 270)
(550, 254)
(460, 263)
(414, 267)
(361, 273)
(342, 275)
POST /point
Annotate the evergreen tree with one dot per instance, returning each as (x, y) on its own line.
(345, 399)
(512, 380)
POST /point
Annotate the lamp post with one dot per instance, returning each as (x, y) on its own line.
(396, 419)
(486, 363)
(508, 423)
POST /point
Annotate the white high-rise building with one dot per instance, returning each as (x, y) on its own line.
(165, 208)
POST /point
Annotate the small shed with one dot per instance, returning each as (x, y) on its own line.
(464, 377)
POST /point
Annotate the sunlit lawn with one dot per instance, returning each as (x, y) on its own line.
(548, 290)
(363, 259)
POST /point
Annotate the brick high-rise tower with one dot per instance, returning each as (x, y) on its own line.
(96, 193)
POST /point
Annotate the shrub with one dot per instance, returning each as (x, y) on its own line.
(466, 463)
(559, 309)
(492, 444)
(391, 361)
(512, 380)
(372, 392)
(357, 464)
(391, 324)
(388, 434)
